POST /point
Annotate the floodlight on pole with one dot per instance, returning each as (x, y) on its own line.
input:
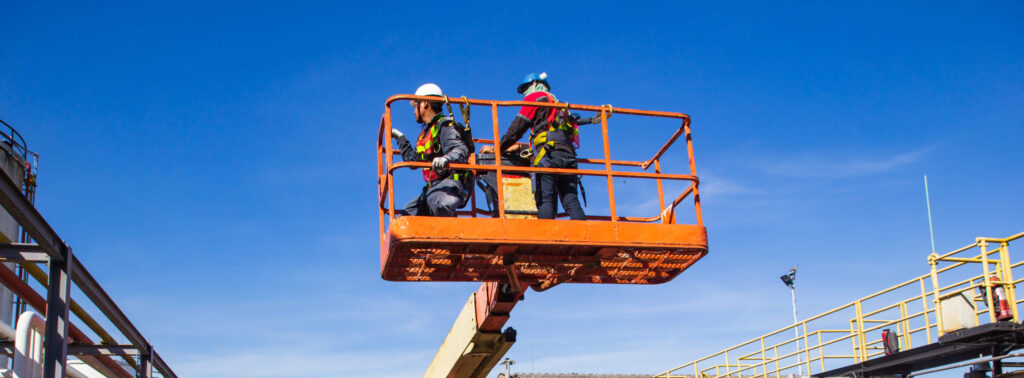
(508, 364)
(790, 280)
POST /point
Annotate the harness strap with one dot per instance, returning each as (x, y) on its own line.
(464, 109)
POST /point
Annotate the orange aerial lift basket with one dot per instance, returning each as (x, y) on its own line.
(476, 246)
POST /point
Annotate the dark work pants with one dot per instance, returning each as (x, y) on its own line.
(440, 200)
(550, 188)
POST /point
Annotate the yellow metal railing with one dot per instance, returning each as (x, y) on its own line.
(912, 309)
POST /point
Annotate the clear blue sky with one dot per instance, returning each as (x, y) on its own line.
(213, 162)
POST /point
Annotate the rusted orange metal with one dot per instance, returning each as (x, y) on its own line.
(493, 305)
(604, 249)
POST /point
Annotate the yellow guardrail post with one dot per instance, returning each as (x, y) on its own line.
(807, 350)
(933, 261)
(861, 340)
(727, 363)
(905, 325)
(821, 352)
(853, 340)
(1011, 291)
(776, 351)
(924, 303)
(764, 359)
(990, 301)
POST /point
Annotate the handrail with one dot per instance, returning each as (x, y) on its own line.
(387, 165)
(822, 342)
(17, 147)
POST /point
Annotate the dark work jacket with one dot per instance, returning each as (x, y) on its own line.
(452, 147)
(535, 119)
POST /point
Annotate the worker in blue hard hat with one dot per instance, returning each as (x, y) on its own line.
(440, 142)
(554, 139)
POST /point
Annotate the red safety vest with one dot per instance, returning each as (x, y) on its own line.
(428, 146)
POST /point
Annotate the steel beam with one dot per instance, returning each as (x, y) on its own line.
(65, 268)
(146, 359)
(29, 218)
(104, 303)
(162, 367)
(18, 252)
(55, 352)
(101, 350)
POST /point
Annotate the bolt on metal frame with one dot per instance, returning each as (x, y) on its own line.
(65, 269)
(761, 356)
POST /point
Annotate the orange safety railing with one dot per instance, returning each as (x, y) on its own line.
(386, 166)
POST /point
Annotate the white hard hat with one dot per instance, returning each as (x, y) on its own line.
(429, 89)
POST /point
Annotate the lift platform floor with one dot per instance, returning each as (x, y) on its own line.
(536, 252)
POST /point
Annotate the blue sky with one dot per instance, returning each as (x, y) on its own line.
(213, 162)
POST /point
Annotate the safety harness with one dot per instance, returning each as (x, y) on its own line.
(562, 129)
(428, 146)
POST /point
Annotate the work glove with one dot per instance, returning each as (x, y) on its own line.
(396, 134)
(440, 164)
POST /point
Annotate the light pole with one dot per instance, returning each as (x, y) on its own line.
(508, 363)
(790, 280)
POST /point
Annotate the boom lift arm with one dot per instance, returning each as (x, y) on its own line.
(476, 343)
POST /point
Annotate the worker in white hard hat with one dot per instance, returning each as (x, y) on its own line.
(441, 143)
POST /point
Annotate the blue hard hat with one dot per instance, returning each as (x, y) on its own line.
(532, 77)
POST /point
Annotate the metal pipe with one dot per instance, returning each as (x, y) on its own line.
(693, 171)
(13, 282)
(665, 147)
(591, 108)
(28, 348)
(390, 159)
(608, 166)
(661, 190)
(28, 353)
(564, 171)
(497, 163)
(77, 309)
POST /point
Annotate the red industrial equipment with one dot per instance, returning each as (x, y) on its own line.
(1003, 311)
(542, 253)
(890, 342)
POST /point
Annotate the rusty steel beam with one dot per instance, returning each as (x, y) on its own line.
(13, 282)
